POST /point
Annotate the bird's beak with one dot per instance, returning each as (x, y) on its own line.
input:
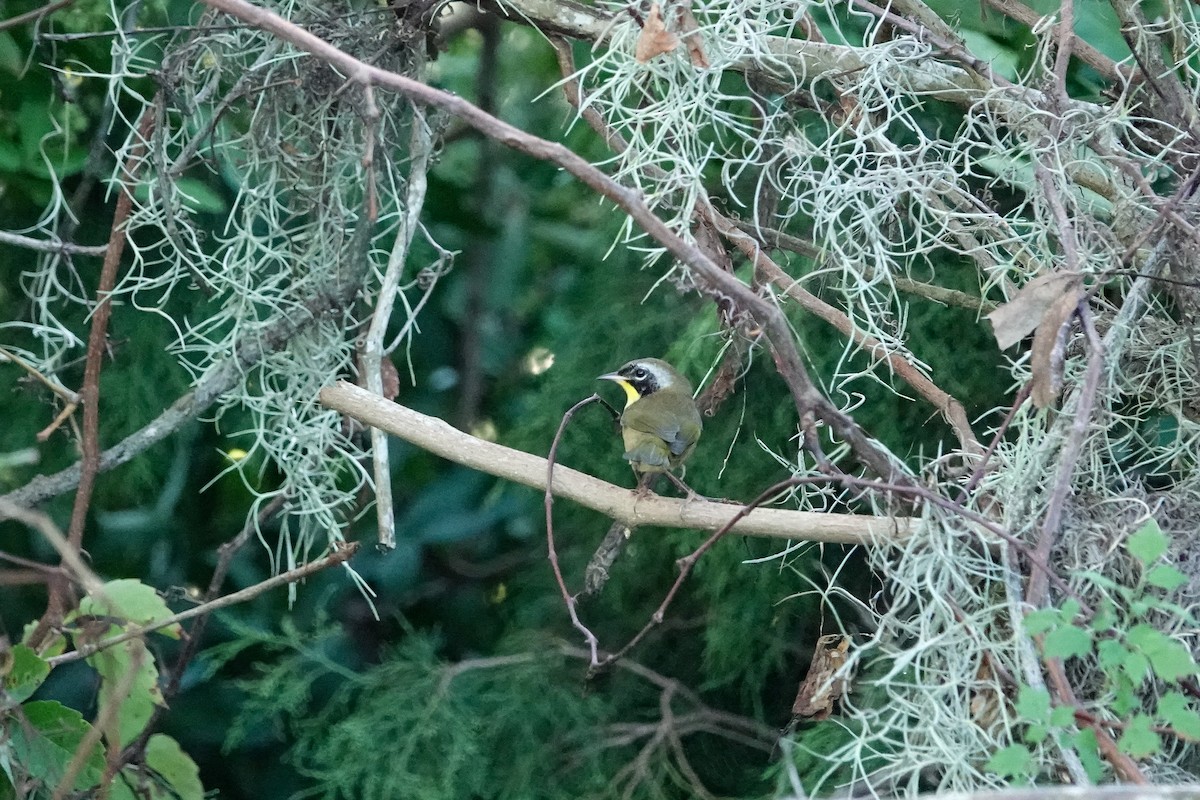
(631, 394)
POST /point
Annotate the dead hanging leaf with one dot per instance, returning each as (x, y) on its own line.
(1050, 347)
(1020, 316)
(655, 39)
(391, 378)
(690, 29)
(820, 691)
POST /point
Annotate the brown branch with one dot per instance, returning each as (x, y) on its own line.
(104, 722)
(1125, 767)
(1036, 593)
(1016, 10)
(89, 394)
(35, 15)
(792, 371)
(948, 406)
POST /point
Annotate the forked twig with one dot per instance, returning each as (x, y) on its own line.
(569, 599)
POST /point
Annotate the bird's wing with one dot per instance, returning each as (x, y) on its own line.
(677, 434)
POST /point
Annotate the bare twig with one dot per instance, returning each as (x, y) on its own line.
(89, 394)
(373, 345)
(50, 383)
(71, 559)
(1087, 53)
(1068, 457)
(339, 556)
(35, 15)
(1124, 766)
(104, 722)
(569, 599)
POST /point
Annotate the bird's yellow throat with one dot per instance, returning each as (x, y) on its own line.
(631, 394)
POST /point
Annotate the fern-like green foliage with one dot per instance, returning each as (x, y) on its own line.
(519, 724)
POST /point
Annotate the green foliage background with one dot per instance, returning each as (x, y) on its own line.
(322, 698)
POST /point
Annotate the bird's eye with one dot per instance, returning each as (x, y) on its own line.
(640, 373)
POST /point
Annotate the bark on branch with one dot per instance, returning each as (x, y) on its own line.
(620, 504)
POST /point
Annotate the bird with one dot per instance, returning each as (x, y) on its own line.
(661, 423)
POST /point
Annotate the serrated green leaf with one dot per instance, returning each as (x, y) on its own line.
(1144, 637)
(130, 599)
(26, 674)
(1176, 711)
(1042, 620)
(1164, 576)
(175, 768)
(1035, 734)
(1067, 641)
(1172, 661)
(1169, 659)
(1013, 761)
(1148, 543)
(1033, 705)
(1138, 740)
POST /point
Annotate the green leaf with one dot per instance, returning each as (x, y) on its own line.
(1042, 620)
(1125, 699)
(1069, 609)
(1106, 615)
(1164, 576)
(133, 709)
(1136, 666)
(1148, 543)
(1062, 716)
(1112, 654)
(175, 767)
(130, 599)
(44, 735)
(1067, 641)
(1013, 761)
(26, 675)
(1088, 748)
(1033, 705)
(1035, 734)
(1138, 740)
(1176, 710)
(1169, 659)
(199, 196)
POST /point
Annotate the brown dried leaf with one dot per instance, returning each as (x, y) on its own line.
(655, 39)
(1050, 347)
(691, 36)
(391, 378)
(820, 691)
(1020, 316)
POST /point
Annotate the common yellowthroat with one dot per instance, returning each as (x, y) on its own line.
(660, 424)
